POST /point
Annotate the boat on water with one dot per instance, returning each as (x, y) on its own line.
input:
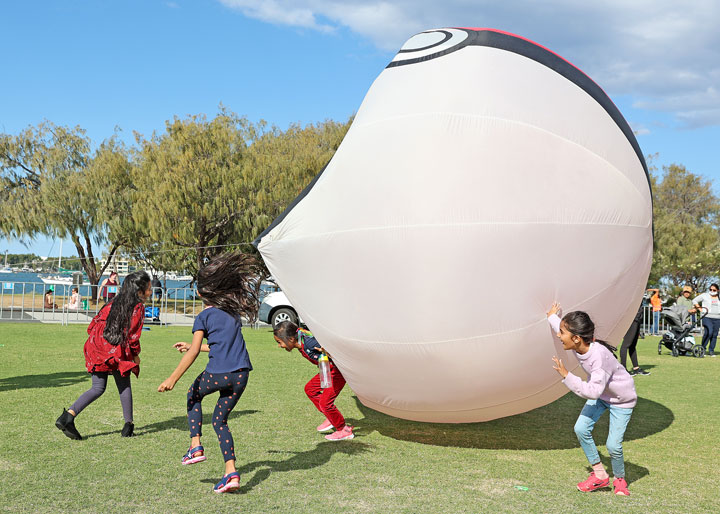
(180, 278)
(5, 268)
(58, 280)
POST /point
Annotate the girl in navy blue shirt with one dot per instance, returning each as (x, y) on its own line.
(225, 287)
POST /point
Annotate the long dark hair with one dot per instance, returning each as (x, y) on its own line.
(227, 282)
(123, 305)
(579, 324)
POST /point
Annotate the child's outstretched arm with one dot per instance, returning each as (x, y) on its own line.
(184, 364)
(182, 347)
(553, 317)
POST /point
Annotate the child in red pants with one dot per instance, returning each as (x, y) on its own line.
(289, 336)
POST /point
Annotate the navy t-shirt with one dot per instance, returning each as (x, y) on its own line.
(309, 347)
(224, 337)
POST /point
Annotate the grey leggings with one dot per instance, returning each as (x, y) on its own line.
(99, 382)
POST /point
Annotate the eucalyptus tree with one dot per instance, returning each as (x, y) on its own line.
(686, 216)
(52, 183)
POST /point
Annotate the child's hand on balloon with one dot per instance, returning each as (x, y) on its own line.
(560, 367)
(554, 309)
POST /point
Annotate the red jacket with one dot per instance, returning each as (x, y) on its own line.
(101, 356)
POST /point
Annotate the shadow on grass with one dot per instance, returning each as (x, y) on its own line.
(633, 472)
(546, 428)
(176, 423)
(310, 459)
(643, 366)
(61, 379)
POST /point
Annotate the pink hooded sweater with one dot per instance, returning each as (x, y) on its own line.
(607, 380)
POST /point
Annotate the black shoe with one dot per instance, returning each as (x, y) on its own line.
(128, 430)
(66, 423)
(639, 371)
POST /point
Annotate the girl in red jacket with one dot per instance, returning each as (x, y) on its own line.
(113, 347)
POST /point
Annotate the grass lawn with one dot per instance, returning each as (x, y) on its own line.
(392, 465)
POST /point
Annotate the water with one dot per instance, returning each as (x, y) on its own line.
(29, 283)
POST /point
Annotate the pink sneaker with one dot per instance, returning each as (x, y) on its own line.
(194, 455)
(325, 426)
(592, 483)
(345, 432)
(620, 487)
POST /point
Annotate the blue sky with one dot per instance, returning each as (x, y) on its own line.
(132, 65)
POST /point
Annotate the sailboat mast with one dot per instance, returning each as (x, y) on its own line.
(60, 257)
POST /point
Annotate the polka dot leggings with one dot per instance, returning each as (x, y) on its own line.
(231, 387)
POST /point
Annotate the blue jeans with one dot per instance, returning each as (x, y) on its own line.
(710, 333)
(619, 418)
(656, 323)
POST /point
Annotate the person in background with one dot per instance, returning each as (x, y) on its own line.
(109, 287)
(48, 300)
(74, 303)
(711, 321)
(630, 343)
(684, 301)
(157, 289)
(656, 303)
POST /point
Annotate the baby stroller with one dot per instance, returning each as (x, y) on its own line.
(678, 339)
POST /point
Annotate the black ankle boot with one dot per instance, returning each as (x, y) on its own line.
(66, 424)
(128, 430)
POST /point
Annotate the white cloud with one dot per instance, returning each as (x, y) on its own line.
(663, 53)
(279, 12)
(638, 129)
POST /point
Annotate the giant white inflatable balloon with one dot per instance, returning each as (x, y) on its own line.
(483, 177)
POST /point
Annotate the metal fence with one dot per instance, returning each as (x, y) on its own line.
(25, 302)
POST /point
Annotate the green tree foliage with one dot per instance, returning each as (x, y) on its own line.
(188, 196)
(51, 183)
(686, 214)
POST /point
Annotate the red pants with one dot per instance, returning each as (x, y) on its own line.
(324, 399)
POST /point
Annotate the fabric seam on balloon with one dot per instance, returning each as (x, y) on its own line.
(512, 122)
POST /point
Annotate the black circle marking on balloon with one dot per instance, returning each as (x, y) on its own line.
(412, 60)
(448, 36)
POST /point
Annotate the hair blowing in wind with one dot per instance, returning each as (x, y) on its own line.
(228, 282)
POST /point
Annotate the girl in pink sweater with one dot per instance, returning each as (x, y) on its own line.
(609, 387)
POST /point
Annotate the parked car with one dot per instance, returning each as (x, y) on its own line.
(275, 308)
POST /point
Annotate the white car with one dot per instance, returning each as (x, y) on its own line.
(275, 308)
